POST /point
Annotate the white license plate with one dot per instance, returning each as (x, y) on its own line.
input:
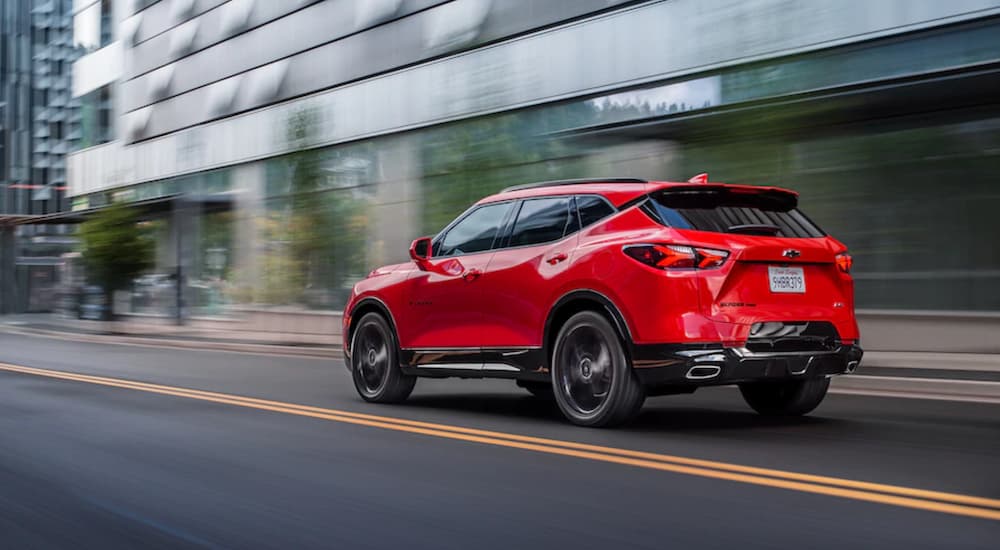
(786, 279)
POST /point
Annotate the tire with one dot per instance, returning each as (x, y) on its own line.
(375, 362)
(791, 398)
(592, 379)
(541, 390)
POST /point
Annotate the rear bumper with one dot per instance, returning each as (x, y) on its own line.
(692, 365)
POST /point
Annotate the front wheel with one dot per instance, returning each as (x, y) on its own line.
(790, 398)
(375, 363)
(592, 380)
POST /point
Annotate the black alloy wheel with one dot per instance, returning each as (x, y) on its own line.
(592, 379)
(375, 364)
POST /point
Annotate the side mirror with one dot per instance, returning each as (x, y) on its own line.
(420, 251)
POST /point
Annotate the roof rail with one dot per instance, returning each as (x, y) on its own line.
(572, 182)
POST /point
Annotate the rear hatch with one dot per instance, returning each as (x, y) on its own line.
(781, 266)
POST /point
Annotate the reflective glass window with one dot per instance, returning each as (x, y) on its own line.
(474, 233)
(542, 221)
(592, 209)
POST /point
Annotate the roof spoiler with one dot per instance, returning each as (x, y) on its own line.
(709, 195)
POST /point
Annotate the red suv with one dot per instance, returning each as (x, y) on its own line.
(601, 292)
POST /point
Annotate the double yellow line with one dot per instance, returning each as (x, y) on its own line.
(921, 499)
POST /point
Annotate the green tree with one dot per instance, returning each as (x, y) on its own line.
(115, 248)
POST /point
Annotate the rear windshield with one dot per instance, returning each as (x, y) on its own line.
(724, 211)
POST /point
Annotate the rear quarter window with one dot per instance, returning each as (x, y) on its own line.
(592, 209)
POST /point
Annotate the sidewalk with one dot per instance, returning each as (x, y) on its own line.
(279, 328)
(217, 334)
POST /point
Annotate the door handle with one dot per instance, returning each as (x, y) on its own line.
(471, 275)
(556, 258)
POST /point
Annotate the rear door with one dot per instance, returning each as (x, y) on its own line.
(526, 270)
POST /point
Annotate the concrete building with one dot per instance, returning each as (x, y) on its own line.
(884, 114)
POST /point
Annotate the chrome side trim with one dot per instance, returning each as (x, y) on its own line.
(437, 350)
(454, 366)
(469, 366)
(519, 350)
(500, 366)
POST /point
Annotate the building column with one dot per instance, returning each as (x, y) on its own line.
(184, 234)
(248, 212)
(395, 212)
(8, 273)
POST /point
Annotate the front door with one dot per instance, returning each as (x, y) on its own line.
(444, 324)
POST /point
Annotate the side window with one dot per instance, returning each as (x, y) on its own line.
(592, 209)
(473, 233)
(542, 221)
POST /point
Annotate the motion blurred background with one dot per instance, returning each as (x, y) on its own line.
(276, 151)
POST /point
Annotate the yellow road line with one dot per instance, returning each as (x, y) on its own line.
(922, 499)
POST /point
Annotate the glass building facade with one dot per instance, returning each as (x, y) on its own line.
(39, 123)
(892, 139)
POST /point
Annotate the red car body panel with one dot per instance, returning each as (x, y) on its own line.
(519, 287)
(437, 313)
(505, 298)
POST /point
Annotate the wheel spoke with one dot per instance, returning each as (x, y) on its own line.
(602, 373)
(585, 369)
(603, 359)
(371, 358)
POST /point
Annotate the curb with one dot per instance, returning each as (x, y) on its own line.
(918, 388)
(983, 362)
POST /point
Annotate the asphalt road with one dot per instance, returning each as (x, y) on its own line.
(85, 464)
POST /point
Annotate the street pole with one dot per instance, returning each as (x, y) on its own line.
(179, 252)
(8, 276)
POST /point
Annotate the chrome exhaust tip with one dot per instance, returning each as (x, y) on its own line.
(703, 372)
(852, 366)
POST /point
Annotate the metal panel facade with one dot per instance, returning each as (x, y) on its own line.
(640, 44)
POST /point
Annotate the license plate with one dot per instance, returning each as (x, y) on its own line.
(786, 279)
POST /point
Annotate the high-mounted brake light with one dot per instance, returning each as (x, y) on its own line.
(844, 262)
(672, 256)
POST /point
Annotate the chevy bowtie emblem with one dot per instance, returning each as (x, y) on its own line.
(791, 253)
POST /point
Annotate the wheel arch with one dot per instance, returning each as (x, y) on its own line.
(366, 305)
(583, 300)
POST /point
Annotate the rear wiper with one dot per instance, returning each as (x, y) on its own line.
(763, 229)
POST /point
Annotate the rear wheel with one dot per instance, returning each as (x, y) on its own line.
(790, 398)
(592, 380)
(375, 362)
